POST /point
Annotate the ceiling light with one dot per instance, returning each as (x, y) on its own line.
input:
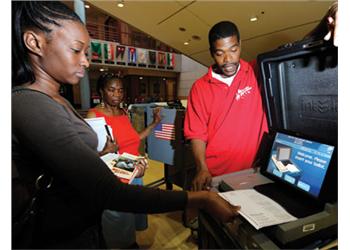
(120, 4)
(140, 77)
(87, 6)
(196, 38)
(253, 19)
(186, 43)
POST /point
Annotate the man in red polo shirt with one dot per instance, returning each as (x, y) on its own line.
(225, 119)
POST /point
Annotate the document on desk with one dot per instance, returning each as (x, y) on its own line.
(257, 208)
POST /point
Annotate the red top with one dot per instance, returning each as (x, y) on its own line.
(230, 119)
(124, 134)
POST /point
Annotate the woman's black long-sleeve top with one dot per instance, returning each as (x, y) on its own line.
(48, 136)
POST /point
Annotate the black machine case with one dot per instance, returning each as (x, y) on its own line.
(299, 84)
(300, 88)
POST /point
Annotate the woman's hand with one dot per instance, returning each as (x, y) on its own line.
(156, 115)
(213, 204)
(110, 147)
(156, 119)
(332, 21)
(332, 30)
(141, 166)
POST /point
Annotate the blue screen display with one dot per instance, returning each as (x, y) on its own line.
(302, 163)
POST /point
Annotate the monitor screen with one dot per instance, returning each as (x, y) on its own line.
(299, 162)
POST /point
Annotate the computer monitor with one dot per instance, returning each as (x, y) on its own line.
(308, 162)
(283, 153)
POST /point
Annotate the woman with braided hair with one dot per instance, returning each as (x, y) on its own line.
(49, 49)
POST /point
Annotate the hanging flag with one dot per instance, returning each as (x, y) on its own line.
(161, 59)
(165, 131)
(96, 51)
(141, 56)
(131, 55)
(170, 60)
(152, 57)
(120, 53)
(109, 52)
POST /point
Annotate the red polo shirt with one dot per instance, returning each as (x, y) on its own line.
(230, 119)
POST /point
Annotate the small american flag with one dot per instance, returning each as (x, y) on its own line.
(165, 131)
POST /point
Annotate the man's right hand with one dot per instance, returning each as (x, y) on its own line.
(202, 181)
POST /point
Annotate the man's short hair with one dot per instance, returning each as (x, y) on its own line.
(222, 30)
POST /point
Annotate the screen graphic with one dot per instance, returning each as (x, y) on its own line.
(300, 162)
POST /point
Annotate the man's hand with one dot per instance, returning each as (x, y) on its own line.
(202, 181)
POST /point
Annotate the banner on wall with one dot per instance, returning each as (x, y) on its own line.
(132, 56)
(161, 59)
(152, 59)
(142, 57)
(170, 60)
(96, 51)
(109, 52)
(120, 52)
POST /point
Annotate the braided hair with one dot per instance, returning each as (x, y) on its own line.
(104, 79)
(38, 15)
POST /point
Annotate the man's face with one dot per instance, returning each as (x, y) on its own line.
(226, 54)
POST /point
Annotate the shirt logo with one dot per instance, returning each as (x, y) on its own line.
(243, 92)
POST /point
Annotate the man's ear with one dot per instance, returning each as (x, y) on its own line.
(33, 41)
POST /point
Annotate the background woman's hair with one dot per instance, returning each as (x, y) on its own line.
(104, 79)
(322, 28)
(38, 15)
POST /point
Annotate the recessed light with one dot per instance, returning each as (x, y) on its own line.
(195, 37)
(120, 4)
(140, 77)
(87, 6)
(253, 19)
(102, 69)
(186, 43)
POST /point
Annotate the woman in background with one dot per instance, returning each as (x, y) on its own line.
(110, 88)
(119, 228)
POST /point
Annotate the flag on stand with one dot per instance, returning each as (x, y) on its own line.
(165, 131)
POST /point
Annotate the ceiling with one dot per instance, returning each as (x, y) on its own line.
(279, 22)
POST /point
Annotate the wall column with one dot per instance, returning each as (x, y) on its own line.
(79, 8)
